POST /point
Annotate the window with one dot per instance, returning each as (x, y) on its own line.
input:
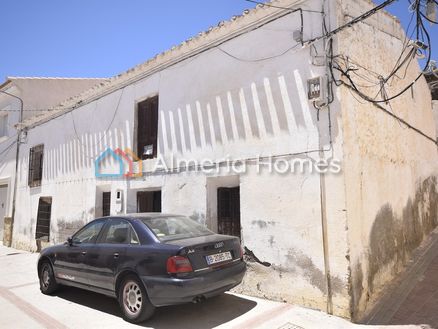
(174, 228)
(134, 236)
(147, 128)
(89, 233)
(106, 203)
(43, 219)
(118, 232)
(149, 201)
(36, 165)
(3, 125)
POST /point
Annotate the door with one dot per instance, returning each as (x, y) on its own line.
(228, 201)
(108, 254)
(106, 203)
(148, 201)
(3, 203)
(42, 231)
(70, 260)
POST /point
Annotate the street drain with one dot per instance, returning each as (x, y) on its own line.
(290, 326)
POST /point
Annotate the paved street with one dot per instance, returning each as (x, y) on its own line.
(23, 306)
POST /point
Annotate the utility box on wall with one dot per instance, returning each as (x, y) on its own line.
(317, 88)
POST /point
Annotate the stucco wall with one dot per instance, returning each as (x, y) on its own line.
(390, 170)
(10, 107)
(213, 106)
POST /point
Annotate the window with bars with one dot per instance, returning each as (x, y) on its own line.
(36, 165)
(147, 128)
(42, 232)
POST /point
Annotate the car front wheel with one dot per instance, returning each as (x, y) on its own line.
(48, 283)
(134, 301)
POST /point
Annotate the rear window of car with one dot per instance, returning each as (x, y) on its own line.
(175, 228)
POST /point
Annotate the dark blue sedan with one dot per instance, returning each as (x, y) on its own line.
(145, 261)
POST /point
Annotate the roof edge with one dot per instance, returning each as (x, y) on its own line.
(251, 19)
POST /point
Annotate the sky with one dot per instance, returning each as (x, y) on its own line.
(101, 38)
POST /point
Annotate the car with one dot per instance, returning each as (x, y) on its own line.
(145, 261)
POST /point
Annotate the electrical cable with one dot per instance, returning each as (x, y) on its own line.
(421, 27)
(258, 59)
(104, 132)
(352, 22)
(278, 7)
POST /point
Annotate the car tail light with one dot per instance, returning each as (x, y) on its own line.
(241, 252)
(178, 264)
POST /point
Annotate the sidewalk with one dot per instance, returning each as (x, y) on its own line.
(23, 306)
(413, 297)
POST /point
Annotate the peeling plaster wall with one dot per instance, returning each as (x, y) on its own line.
(281, 220)
(390, 171)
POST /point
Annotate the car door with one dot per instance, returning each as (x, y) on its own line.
(69, 261)
(108, 254)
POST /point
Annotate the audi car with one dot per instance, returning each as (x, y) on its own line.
(144, 261)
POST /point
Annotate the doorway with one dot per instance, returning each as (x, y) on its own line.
(148, 201)
(3, 206)
(106, 203)
(228, 211)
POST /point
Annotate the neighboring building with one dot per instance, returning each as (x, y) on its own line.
(239, 91)
(37, 94)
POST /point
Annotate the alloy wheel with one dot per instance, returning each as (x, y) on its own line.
(45, 277)
(132, 298)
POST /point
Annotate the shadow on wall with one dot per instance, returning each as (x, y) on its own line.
(207, 314)
(268, 108)
(393, 239)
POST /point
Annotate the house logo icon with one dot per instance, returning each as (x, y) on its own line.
(124, 164)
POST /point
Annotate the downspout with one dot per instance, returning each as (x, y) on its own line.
(322, 181)
(17, 152)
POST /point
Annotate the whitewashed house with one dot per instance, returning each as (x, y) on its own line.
(241, 91)
(26, 97)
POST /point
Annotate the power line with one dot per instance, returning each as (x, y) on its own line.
(416, 48)
(284, 8)
(352, 22)
(258, 59)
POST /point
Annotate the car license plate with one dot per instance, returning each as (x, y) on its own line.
(218, 258)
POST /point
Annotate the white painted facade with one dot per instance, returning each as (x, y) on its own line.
(240, 91)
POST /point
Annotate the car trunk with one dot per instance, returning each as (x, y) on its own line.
(210, 251)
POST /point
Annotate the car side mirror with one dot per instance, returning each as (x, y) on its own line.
(70, 241)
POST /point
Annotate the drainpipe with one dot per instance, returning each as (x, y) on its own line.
(16, 159)
(323, 196)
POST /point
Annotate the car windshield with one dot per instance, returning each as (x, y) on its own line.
(175, 228)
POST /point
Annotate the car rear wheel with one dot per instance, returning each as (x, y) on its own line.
(48, 283)
(134, 301)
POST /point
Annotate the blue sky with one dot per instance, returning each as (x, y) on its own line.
(101, 38)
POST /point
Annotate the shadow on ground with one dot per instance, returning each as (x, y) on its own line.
(207, 314)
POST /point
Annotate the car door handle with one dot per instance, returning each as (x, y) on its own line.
(84, 253)
(116, 255)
